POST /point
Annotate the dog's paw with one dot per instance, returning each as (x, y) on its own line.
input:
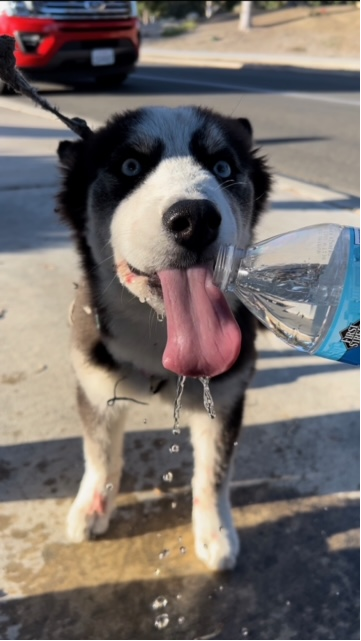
(216, 544)
(87, 518)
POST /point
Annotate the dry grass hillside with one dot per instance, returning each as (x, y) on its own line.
(328, 31)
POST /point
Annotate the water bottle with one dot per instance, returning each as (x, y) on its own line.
(303, 285)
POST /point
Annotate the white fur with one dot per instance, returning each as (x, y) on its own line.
(103, 466)
(174, 179)
(138, 238)
(216, 540)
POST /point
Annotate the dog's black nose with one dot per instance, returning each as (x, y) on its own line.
(193, 224)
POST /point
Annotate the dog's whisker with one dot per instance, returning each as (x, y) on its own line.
(142, 229)
(110, 283)
(152, 316)
(101, 262)
(233, 184)
(260, 196)
(106, 244)
(220, 187)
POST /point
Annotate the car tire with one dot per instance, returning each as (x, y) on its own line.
(110, 82)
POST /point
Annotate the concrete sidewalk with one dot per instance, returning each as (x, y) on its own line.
(232, 60)
(296, 477)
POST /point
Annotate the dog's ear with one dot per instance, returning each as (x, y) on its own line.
(72, 197)
(247, 126)
(69, 152)
(259, 172)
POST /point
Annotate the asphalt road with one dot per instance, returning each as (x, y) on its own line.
(307, 121)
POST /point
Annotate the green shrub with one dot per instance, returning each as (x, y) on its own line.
(179, 29)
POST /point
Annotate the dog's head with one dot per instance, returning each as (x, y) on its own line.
(155, 193)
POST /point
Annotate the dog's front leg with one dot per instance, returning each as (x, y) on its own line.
(103, 443)
(216, 540)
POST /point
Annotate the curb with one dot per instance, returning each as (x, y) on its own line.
(317, 193)
(336, 200)
(235, 61)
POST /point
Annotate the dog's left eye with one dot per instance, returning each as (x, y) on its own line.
(131, 167)
(222, 169)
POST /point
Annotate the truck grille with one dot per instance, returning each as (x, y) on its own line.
(82, 10)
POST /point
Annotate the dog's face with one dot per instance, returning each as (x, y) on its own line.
(161, 189)
(164, 188)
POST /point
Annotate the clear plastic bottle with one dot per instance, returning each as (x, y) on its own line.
(303, 285)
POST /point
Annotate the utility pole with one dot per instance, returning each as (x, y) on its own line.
(209, 9)
(245, 16)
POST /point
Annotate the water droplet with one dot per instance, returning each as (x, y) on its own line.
(325, 508)
(157, 572)
(167, 477)
(145, 421)
(235, 443)
(163, 554)
(181, 620)
(159, 602)
(109, 487)
(174, 448)
(176, 431)
(221, 588)
(221, 527)
(337, 593)
(288, 603)
(182, 549)
(161, 621)
(142, 300)
(173, 505)
(179, 596)
(207, 397)
(244, 632)
(178, 402)
(160, 318)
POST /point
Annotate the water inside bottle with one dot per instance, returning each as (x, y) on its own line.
(296, 300)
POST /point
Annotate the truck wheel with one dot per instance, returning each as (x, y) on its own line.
(110, 82)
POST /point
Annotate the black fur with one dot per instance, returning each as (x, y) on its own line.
(112, 335)
(82, 161)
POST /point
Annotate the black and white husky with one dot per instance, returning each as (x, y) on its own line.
(151, 196)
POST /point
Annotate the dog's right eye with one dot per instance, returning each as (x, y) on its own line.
(131, 167)
(222, 169)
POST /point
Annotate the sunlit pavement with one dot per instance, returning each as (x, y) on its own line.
(295, 488)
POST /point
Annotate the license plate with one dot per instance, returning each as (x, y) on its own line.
(102, 57)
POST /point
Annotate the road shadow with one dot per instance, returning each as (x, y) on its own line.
(288, 584)
(35, 132)
(27, 201)
(346, 202)
(287, 450)
(284, 375)
(251, 78)
(29, 185)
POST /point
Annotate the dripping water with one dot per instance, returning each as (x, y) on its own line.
(178, 403)
(207, 397)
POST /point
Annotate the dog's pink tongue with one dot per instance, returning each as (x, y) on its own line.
(203, 336)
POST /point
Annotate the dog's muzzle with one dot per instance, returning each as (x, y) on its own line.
(193, 224)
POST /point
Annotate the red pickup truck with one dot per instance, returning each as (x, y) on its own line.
(71, 41)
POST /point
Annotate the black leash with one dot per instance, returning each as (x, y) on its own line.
(15, 79)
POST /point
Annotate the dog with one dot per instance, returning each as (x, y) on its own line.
(151, 196)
